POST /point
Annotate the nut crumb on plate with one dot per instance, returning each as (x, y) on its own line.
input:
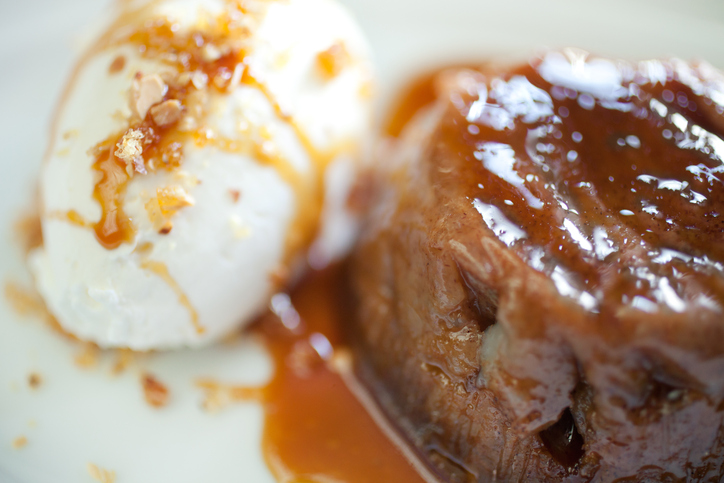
(155, 392)
(117, 65)
(20, 442)
(101, 475)
(219, 395)
(88, 357)
(34, 380)
(124, 358)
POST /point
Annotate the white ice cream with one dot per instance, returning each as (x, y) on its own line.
(224, 256)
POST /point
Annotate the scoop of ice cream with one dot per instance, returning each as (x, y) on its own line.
(202, 150)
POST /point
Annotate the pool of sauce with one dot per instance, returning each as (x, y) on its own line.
(607, 176)
(316, 428)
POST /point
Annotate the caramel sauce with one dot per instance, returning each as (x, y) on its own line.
(416, 95)
(75, 218)
(222, 67)
(161, 270)
(162, 144)
(29, 232)
(316, 429)
(422, 91)
(623, 170)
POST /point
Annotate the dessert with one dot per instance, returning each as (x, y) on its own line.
(540, 284)
(202, 151)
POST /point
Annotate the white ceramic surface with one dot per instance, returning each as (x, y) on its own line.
(79, 416)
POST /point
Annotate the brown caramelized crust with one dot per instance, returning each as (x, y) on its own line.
(540, 289)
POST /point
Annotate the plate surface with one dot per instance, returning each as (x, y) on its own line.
(78, 415)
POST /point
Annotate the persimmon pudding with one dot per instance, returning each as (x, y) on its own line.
(540, 285)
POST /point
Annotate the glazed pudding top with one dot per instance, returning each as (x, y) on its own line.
(607, 176)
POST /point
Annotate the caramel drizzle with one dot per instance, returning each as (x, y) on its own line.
(115, 226)
(161, 270)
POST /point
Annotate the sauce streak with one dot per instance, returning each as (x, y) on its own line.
(161, 270)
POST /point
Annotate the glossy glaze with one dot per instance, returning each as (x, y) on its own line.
(540, 285)
(586, 165)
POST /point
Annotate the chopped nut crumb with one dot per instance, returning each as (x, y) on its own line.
(20, 442)
(155, 392)
(117, 65)
(333, 60)
(210, 53)
(166, 113)
(236, 75)
(34, 380)
(173, 198)
(235, 194)
(88, 357)
(217, 395)
(167, 202)
(124, 358)
(101, 475)
(199, 80)
(146, 91)
(129, 150)
(153, 210)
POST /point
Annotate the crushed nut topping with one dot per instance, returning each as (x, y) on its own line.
(165, 204)
(173, 198)
(210, 53)
(129, 150)
(197, 78)
(146, 91)
(333, 60)
(101, 475)
(155, 392)
(166, 113)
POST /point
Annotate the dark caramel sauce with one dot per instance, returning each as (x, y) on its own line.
(315, 427)
(582, 165)
(417, 94)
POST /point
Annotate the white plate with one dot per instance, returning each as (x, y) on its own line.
(79, 416)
